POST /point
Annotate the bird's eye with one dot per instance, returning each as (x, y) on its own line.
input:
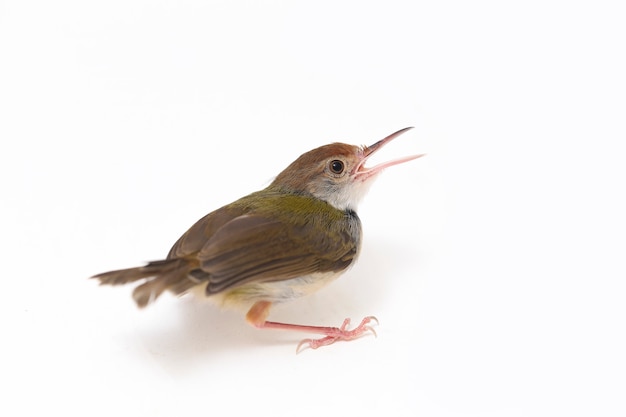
(336, 166)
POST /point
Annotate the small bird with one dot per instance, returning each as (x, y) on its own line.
(283, 242)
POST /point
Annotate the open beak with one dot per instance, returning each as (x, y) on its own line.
(364, 173)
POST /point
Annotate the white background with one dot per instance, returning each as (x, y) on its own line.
(495, 264)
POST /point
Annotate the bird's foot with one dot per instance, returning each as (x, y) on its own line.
(258, 313)
(334, 334)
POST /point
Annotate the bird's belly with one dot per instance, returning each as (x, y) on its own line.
(274, 291)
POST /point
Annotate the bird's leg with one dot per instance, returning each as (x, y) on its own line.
(259, 312)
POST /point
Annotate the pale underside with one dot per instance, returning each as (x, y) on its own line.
(243, 297)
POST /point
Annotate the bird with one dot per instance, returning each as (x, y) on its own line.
(274, 245)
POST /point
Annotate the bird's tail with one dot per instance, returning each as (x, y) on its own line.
(158, 276)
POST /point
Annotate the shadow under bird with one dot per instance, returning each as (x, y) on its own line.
(283, 242)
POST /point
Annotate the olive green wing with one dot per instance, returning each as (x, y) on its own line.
(260, 248)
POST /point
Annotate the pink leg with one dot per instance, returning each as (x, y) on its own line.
(260, 310)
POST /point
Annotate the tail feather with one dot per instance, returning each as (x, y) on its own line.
(124, 276)
(169, 274)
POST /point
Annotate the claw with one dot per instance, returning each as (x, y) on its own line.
(302, 342)
(339, 333)
(315, 343)
(371, 329)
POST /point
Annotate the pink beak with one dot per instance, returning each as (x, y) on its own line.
(365, 173)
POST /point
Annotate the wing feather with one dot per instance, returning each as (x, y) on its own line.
(255, 247)
(268, 236)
